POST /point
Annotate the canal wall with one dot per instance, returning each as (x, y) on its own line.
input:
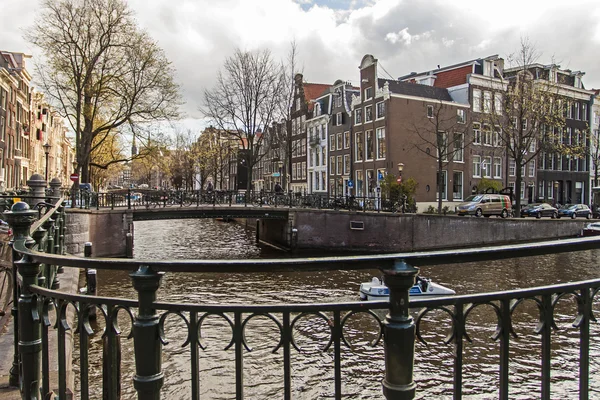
(337, 230)
(106, 229)
(355, 231)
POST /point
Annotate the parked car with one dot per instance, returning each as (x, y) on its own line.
(539, 210)
(486, 205)
(574, 211)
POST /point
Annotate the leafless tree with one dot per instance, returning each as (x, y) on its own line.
(102, 72)
(246, 100)
(441, 136)
(530, 115)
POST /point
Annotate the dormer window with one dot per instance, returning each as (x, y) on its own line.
(578, 82)
(368, 93)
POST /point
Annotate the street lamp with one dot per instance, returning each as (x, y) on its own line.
(400, 169)
(47, 147)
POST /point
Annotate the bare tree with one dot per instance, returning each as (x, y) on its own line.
(442, 136)
(531, 115)
(102, 72)
(246, 100)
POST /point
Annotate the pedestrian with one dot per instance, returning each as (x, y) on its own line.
(278, 188)
(209, 187)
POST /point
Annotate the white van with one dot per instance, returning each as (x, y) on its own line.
(486, 205)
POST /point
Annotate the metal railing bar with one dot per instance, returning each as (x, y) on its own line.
(585, 309)
(195, 370)
(337, 354)
(287, 359)
(506, 324)
(37, 224)
(95, 300)
(384, 261)
(546, 332)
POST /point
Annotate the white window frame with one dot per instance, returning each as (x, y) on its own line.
(368, 93)
(498, 103)
(429, 111)
(531, 166)
(338, 119)
(487, 102)
(459, 144)
(476, 134)
(476, 166)
(497, 167)
(461, 116)
(358, 117)
(512, 167)
(476, 100)
(368, 113)
(457, 195)
(378, 139)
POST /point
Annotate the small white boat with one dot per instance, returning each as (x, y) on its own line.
(377, 290)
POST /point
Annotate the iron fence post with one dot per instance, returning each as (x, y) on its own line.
(129, 199)
(28, 330)
(399, 334)
(146, 336)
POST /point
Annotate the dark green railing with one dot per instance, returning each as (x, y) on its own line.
(398, 331)
(145, 198)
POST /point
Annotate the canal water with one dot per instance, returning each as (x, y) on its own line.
(362, 367)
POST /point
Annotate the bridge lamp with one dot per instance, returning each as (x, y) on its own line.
(47, 147)
(400, 169)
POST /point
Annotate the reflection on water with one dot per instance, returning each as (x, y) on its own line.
(362, 367)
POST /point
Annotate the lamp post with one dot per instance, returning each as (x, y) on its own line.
(555, 193)
(399, 180)
(47, 147)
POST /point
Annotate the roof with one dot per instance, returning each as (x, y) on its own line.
(417, 90)
(313, 91)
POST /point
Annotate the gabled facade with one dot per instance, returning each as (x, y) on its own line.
(386, 118)
(302, 106)
(317, 132)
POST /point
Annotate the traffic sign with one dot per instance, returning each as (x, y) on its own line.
(74, 177)
(350, 183)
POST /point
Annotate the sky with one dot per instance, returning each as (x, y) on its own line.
(332, 36)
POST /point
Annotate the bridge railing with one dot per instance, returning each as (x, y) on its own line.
(397, 332)
(133, 198)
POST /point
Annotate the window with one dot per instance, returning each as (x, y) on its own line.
(331, 142)
(359, 183)
(476, 100)
(338, 169)
(443, 143)
(323, 180)
(487, 135)
(443, 181)
(498, 103)
(331, 165)
(294, 171)
(532, 146)
(338, 141)
(358, 116)
(429, 111)
(569, 109)
(368, 93)
(298, 102)
(487, 102)
(368, 113)
(359, 146)
(584, 112)
(476, 134)
(457, 182)
(522, 195)
(323, 130)
(369, 145)
(380, 110)
(346, 164)
(370, 183)
(532, 168)
(323, 156)
(303, 169)
(476, 166)
(338, 119)
(460, 116)
(576, 111)
(347, 139)
(487, 167)
(380, 143)
(497, 136)
(459, 147)
(497, 167)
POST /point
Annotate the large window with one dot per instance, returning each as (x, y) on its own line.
(346, 164)
(331, 165)
(359, 184)
(358, 116)
(368, 93)
(512, 168)
(461, 116)
(339, 166)
(476, 134)
(487, 102)
(331, 142)
(359, 147)
(457, 184)
(487, 135)
(368, 113)
(380, 143)
(498, 103)
(380, 110)
(476, 100)
(444, 182)
(370, 145)
(347, 139)
(532, 168)
(497, 167)
(338, 141)
(476, 166)
(459, 144)
(487, 167)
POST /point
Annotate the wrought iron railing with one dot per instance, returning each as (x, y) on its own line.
(156, 199)
(397, 331)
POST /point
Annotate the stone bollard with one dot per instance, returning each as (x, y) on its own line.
(28, 332)
(38, 188)
(56, 185)
(149, 377)
(399, 334)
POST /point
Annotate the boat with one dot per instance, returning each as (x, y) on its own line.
(592, 229)
(377, 290)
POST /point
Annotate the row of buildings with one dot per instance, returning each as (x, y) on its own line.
(33, 136)
(345, 139)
